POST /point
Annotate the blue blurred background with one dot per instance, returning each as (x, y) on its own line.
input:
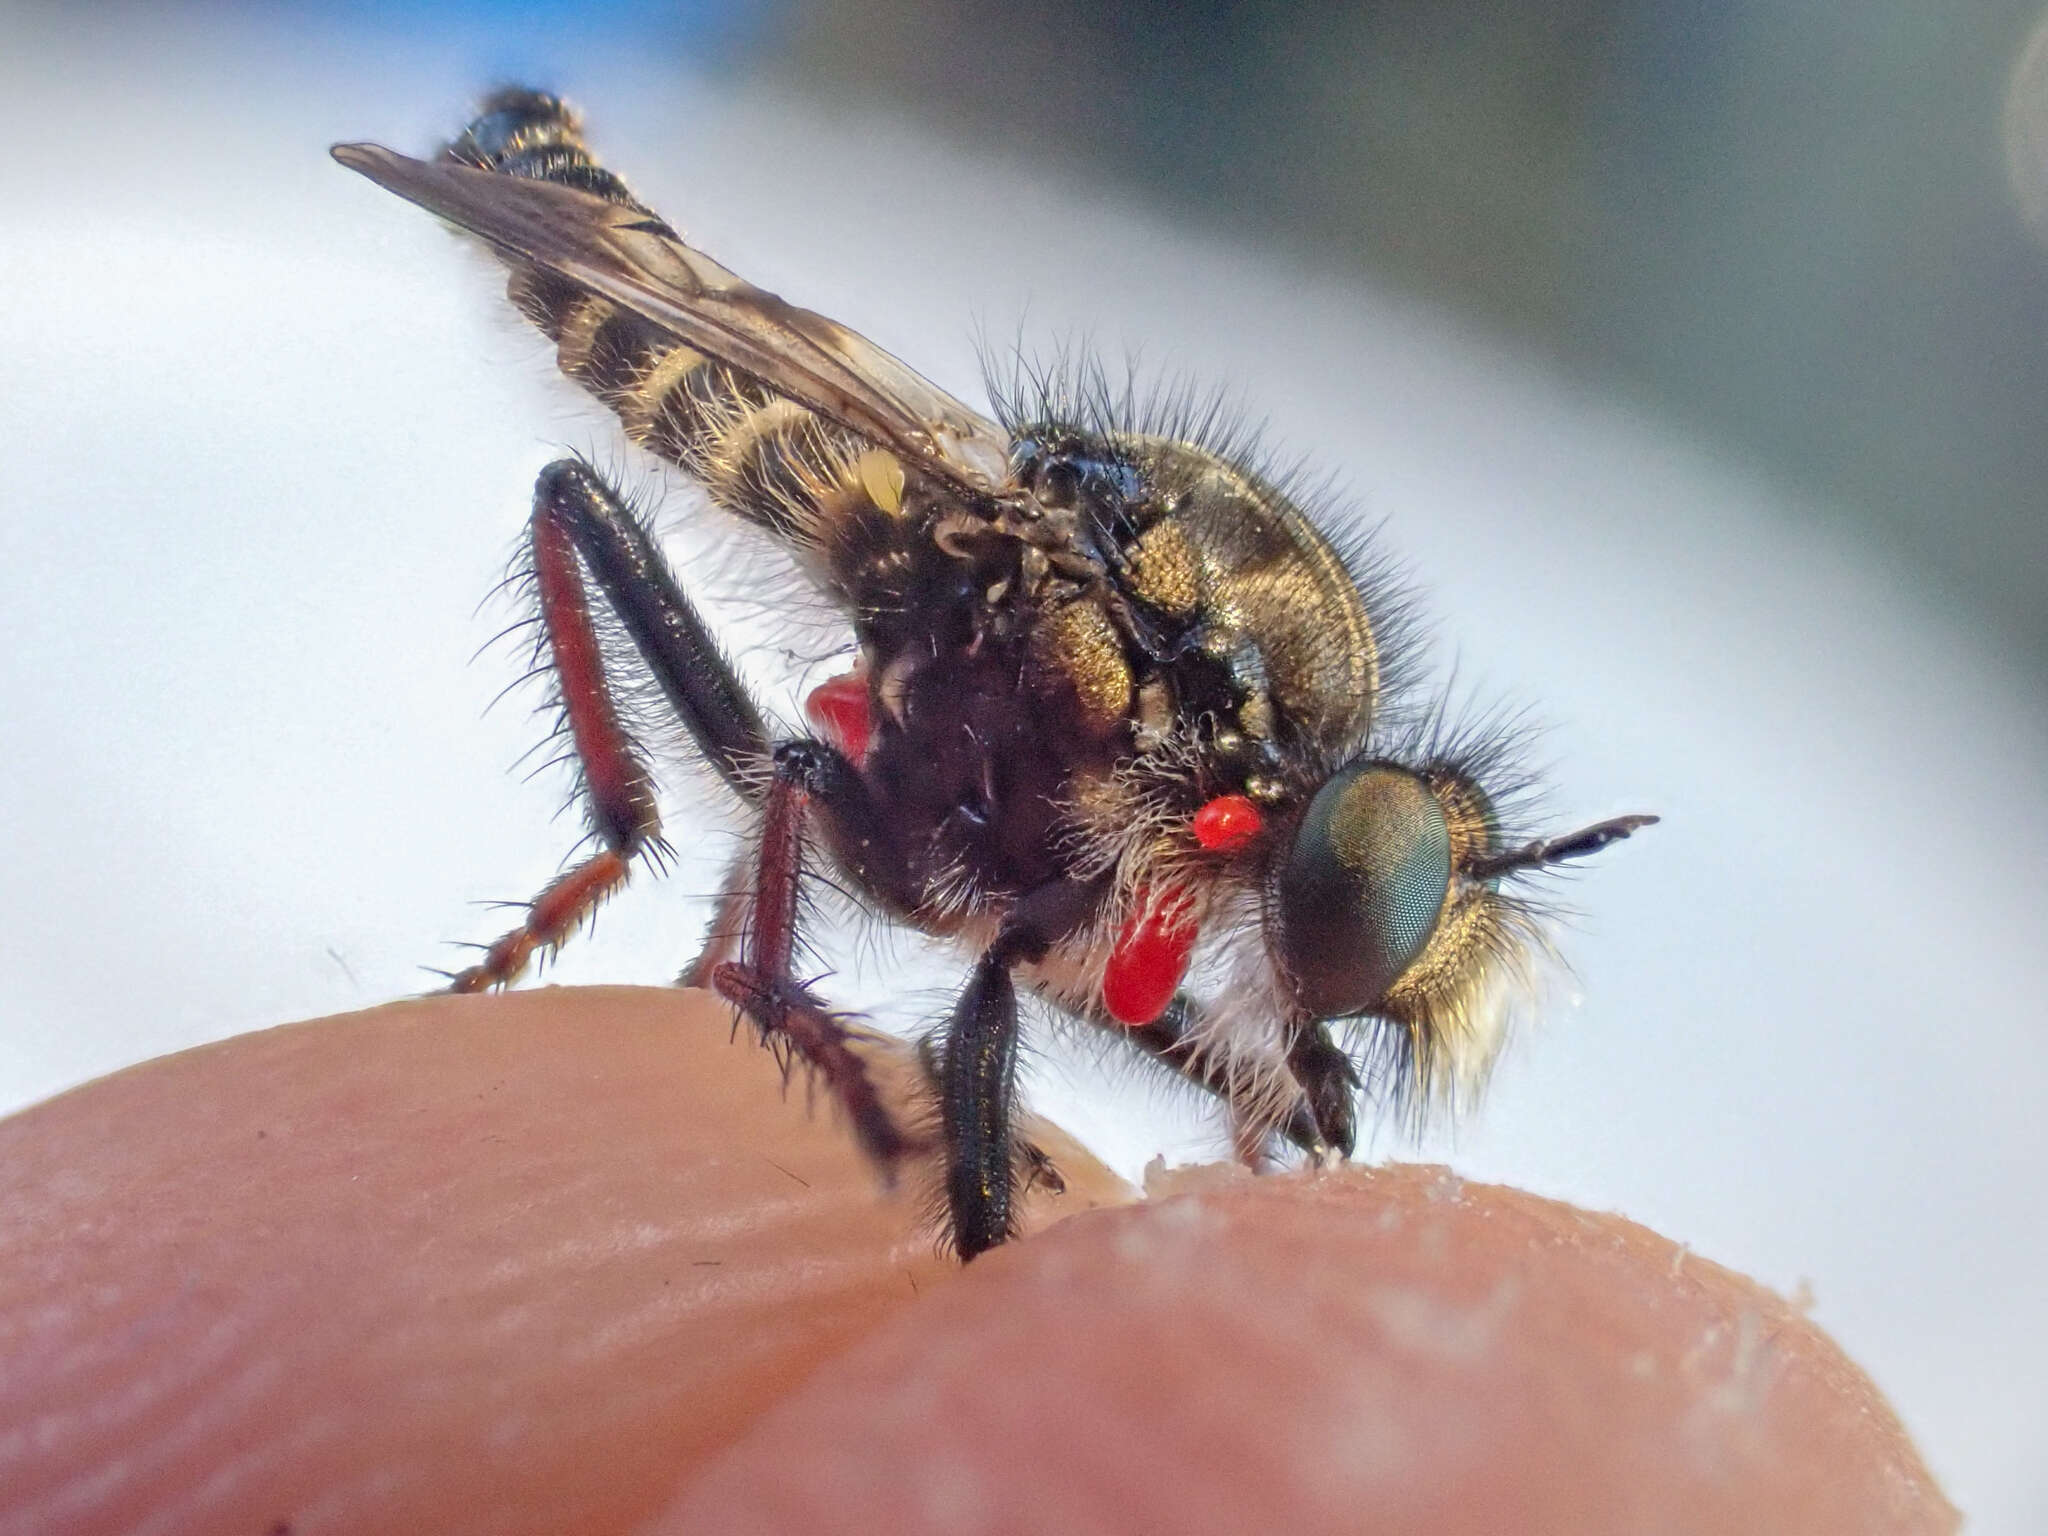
(1693, 358)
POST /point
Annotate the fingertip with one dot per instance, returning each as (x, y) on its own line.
(549, 1261)
(1396, 1349)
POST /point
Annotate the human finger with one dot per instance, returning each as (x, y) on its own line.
(500, 1264)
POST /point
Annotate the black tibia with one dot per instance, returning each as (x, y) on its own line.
(978, 1069)
(1170, 1041)
(809, 779)
(977, 1098)
(679, 652)
(1330, 1080)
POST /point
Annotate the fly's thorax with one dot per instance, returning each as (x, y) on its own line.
(1241, 622)
(1276, 600)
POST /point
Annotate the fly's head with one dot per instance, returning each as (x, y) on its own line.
(1395, 896)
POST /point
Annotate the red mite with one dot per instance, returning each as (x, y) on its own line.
(839, 708)
(1151, 953)
(1150, 957)
(1226, 823)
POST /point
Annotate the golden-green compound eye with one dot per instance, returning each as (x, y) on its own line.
(1362, 887)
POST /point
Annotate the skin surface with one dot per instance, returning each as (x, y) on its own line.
(570, 1260)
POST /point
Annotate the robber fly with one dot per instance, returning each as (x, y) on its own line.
(1118, 707)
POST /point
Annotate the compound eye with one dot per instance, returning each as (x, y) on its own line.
(1362, 887)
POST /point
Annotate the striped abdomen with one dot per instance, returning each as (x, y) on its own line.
(759, 454)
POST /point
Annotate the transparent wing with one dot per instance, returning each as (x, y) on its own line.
(638, 262)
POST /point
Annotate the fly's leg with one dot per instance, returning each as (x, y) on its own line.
(1173, 1040)
(1036, 1169)
(809, 780)
(728, 926)
(580, 524)
(977, 1101)
(977, 1070)
(678, 650)
(1329, 1079)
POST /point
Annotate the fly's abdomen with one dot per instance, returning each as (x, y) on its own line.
(759, 454)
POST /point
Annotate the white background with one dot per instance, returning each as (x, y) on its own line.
(269, 439)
